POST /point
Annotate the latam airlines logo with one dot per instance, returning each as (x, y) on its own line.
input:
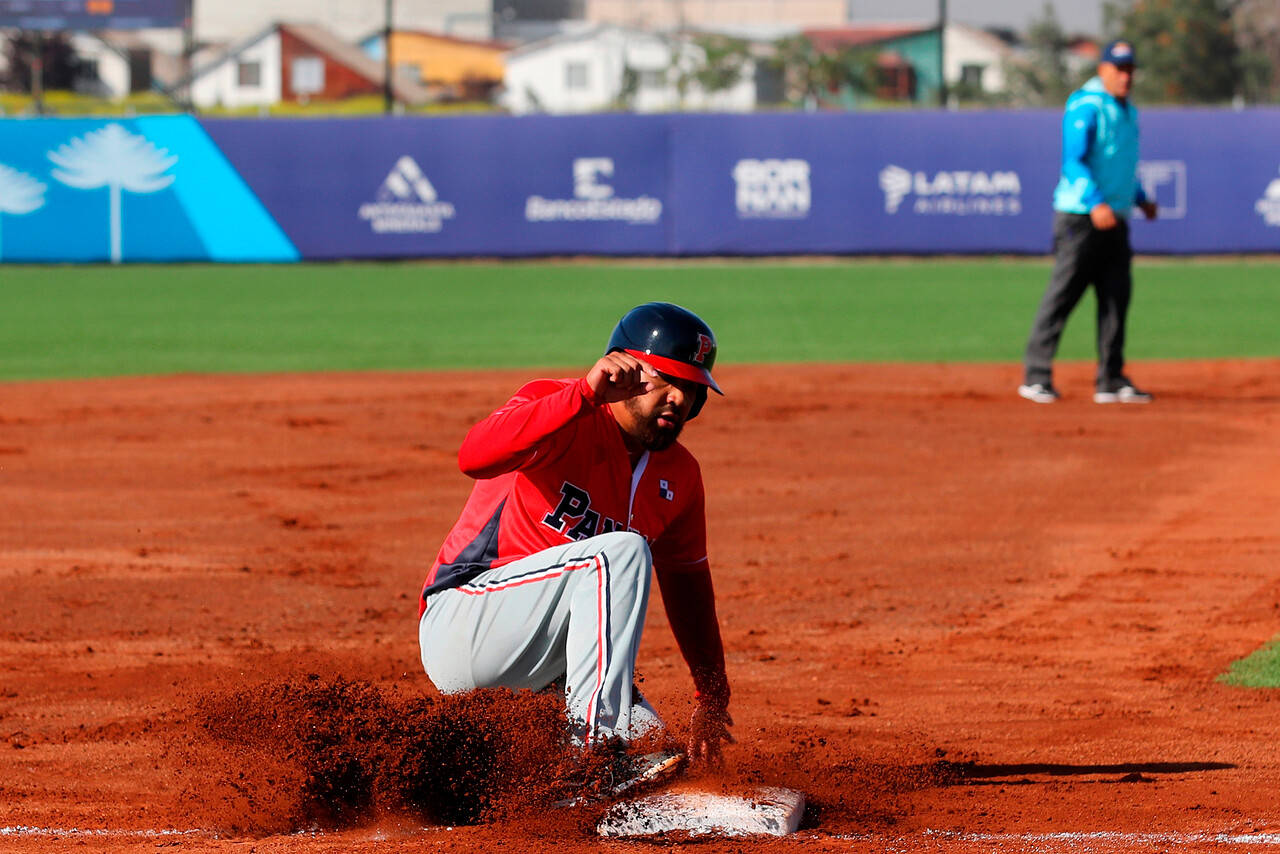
(593, 199)
(407, 203)
(1268, 207)
(952, 193)
(773, 189)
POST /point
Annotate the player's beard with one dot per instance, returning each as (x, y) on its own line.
(651, 435)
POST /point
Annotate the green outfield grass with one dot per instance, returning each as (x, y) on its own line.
(80, 321)
(1260, 670)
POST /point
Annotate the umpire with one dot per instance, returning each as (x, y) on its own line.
(1095, 195)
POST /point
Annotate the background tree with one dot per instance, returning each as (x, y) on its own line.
(1257, 25)
(62, 66)
(1043, 77)
(627, 88)
(795, 58)
(811, 76)
(851, 70)
(1187, 51)
(725, 64)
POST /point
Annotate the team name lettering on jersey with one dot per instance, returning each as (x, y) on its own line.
(574, 513)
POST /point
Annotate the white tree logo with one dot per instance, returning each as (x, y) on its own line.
(896, 183)
(114, 158)
(19, 194)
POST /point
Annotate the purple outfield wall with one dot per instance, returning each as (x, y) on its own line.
(920, 182)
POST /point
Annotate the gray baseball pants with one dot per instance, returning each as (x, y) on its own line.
(571, 614)
(1083, 255)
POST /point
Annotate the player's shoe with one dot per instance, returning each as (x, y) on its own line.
(624, 775)
(636, 772)
(1039, 393)
(1125, 393)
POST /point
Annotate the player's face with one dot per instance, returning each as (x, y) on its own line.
(656, 418)
(1116, 79)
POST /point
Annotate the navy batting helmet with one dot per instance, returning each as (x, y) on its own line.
(672, 339)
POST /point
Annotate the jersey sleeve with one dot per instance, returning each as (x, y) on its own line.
(1079, 128)
(530, 426)
(1140, 197)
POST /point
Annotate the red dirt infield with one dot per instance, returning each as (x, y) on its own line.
(956, 620)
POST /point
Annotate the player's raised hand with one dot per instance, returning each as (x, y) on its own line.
(620, 376)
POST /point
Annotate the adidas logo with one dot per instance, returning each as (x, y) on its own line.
(406, 203)
(406, 181)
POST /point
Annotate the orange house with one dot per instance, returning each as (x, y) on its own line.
(451, 69)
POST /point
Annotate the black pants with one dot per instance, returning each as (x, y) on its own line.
(1084, 256)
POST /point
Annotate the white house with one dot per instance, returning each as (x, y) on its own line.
(593, 68)
(295, 63)
(246, 74)
(117, 63)
(974, 58)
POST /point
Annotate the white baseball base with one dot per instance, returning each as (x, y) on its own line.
(769, 811)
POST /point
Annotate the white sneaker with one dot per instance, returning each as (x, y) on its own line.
(1039, 393)
(1127, 393)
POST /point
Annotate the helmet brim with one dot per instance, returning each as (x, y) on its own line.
(676, 368)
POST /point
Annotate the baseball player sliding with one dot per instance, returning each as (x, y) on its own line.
(581, 490)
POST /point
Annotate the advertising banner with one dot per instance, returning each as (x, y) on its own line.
(1216, 176)
(147, 189)
(863, 183)
(459, 186)
(922, 182)
(92, 14)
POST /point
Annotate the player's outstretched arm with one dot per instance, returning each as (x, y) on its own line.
(689, 598)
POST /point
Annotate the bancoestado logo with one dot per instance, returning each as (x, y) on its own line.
(593, 199)
(954, 193)
(773, 189)
(1268, 207)
(406, 203)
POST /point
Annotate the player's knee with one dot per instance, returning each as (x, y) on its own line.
(627, 547)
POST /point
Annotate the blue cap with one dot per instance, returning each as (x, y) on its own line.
(1118, 52)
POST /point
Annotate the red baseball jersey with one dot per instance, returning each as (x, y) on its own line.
(551, 468)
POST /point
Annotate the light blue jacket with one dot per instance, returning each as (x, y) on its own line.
(1099, 153)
